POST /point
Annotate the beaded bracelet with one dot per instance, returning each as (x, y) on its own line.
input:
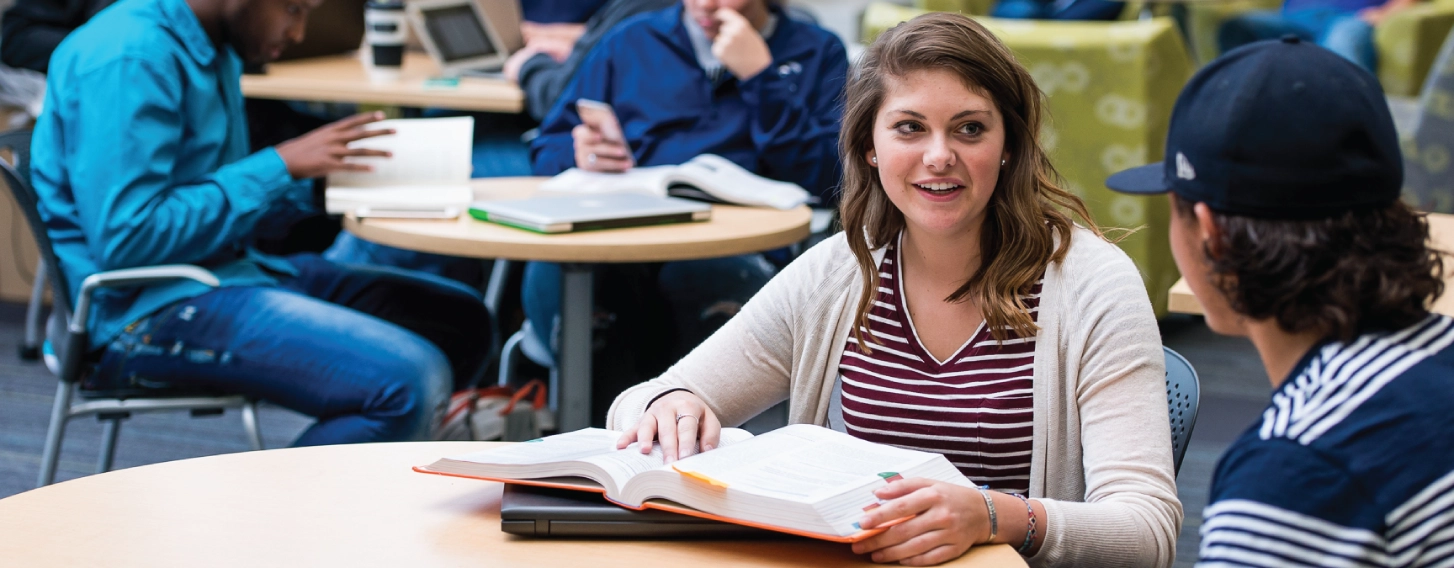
(1030, 529)
(984, 491)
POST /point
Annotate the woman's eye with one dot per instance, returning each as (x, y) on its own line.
(908, 127)
(972, 129)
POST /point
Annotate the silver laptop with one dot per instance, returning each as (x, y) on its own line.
(543, 512)
(588, 213)
(467, 37)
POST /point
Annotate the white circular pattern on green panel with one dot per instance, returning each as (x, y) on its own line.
(1049, 138)
(1124, 52)
(1440, 104)
(1075, 189)
(1120, 111)
(1128, 211)
(1071, 76)
(1117, 157)
(1436, 158)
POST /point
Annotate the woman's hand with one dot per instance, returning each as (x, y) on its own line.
(596, 154)
(678, 420)
(948, 519)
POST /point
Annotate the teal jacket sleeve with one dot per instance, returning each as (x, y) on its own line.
(133, 210)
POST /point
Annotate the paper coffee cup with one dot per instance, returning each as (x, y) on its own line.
(386, 30)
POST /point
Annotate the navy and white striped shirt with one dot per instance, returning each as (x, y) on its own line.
(1352, 463)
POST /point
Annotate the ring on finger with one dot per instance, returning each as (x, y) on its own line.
(590, 158)
(681, 416)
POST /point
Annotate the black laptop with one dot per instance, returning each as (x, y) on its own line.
(544, 512)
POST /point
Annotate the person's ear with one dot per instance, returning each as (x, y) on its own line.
(872, 158)
(1207, 230)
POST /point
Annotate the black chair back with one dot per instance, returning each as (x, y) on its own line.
(1183, 396)
(17, 177)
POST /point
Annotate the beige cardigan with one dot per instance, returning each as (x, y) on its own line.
(1101, 458)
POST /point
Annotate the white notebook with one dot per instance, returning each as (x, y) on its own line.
(430, 168)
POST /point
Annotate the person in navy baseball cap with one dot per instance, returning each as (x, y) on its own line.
(1278, 129)
(1284, 173)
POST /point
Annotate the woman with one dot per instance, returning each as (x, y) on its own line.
(961, 313)
(737, 78)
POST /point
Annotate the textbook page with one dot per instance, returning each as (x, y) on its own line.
(589, 453)
(802, 463)
(627, 463)
(575, 181)
(430, 167)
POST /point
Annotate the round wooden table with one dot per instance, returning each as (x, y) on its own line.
(357, 505)
(731, 231)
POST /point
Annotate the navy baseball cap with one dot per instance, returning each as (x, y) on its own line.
(1278, 129)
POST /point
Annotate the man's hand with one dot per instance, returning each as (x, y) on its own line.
(322, 151)
(516, 62)
(565, 33)
(596, 154)
(739, 46)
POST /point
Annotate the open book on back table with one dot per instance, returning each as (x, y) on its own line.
(802, 479)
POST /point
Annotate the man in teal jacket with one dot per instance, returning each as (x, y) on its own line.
(141, 158)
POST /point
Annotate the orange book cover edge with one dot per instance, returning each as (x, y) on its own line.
(675, 508)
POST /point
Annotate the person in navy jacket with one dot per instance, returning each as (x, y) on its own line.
(736, 78)
(769, 101)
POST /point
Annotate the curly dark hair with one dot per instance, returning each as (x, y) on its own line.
(1360, 272)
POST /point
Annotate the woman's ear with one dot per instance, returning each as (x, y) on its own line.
(872, 158)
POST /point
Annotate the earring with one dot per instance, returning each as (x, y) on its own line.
(874, 160)
(1003, 162)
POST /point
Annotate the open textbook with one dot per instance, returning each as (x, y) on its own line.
(707, 177)
(802, 479)
(430, 168)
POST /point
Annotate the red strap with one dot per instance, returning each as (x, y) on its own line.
(538, 403)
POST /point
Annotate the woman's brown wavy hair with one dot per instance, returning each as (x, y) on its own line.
(1027, 208)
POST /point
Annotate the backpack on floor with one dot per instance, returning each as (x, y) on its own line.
(497, 413)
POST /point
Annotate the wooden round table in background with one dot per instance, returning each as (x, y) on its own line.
(731, 231)
(357, 505)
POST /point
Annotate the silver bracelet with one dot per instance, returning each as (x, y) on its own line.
(989, 502)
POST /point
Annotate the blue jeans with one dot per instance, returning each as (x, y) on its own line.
(1075, 10)
(371, 353)
(698, 295)
(1341, 32)
(498, 152)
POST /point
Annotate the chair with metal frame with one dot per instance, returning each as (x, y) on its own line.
(1183, 395)
(67, 350)
(15, 149)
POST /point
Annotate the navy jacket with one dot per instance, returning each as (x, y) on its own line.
(782, 124)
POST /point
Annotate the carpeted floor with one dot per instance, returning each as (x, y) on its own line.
(1234, 391)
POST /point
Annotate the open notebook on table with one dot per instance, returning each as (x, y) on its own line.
(802, 479)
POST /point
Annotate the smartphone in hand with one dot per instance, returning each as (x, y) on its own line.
(601, 117)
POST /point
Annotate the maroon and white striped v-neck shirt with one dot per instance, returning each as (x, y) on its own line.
(975, 408)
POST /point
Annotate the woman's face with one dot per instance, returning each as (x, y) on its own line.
(704, 12)
(939, 146)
